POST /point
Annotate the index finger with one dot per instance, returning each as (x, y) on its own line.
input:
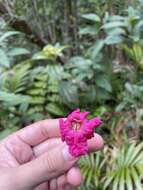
(39, 131)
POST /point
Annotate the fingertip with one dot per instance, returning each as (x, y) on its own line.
(96, 143)
(74, 177)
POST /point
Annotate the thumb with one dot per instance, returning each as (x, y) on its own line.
(48, 166)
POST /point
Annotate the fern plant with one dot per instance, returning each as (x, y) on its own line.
(135, 53)
(16, 79)
(44, 92)
(37, 90)
(9, 51)
(13, 84)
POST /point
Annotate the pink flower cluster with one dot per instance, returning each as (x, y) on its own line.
(76, 129)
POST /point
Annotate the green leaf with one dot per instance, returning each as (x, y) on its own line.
(18, 80)
(97, 48)
(117, 32)
(116, 181)
(128, 179)
(37, 100)
(18, 51)
(80, 63)
(55, 71)
(139, 27)
(49, 52)
(13, 99)
(8, 34)
(116, 18)
(136, 153)
(108, 181)
(115, 24)
(90, 94)
(129, 87)
(69, 94)
(4, 60)
(136, 179)
(122, 180)
(121, 106)
(103, 82)
(90, 30)
(102, 94)
(38, 91)
(125, 172)
(39, 56)
(129, 153)
(55, 109)
(92, 17)
(111, 39)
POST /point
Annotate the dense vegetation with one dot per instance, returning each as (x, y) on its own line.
(55, 57)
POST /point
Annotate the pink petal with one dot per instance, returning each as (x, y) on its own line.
(78, 149)
(77, 139)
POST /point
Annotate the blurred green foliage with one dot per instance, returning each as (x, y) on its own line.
(55, 57)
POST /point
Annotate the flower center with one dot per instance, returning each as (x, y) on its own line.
(76, 125)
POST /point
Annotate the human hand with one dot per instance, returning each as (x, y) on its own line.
(36, 158)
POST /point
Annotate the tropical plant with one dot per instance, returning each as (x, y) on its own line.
(135, 53)
(125, 168)
(92, 167)
(131, 97)
(55, 57)
(114, 168)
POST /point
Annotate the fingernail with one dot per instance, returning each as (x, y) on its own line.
(67, 156)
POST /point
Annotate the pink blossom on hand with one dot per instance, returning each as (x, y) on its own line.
(76, 129)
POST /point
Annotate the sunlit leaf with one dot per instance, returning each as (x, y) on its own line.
(13, 99)
(4, 60)
(114, 24)
(18, 51)
(92, 17)
(7, 35)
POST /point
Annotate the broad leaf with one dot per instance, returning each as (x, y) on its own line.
(55, 109)
(13, 99)
(111, 39)
(97, 48)
(88, 30)
(92, 17)
(114, 24)
(103, 82)
(8, 34)
(69, 94)
(18, 51)
(4, 60)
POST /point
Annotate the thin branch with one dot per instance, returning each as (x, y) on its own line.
(22, 26)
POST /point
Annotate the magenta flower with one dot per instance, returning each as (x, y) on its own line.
(76, 129)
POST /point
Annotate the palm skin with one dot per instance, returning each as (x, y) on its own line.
(20, 150)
